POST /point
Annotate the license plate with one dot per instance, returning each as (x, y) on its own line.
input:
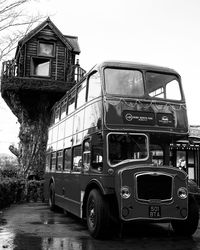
(154, 211)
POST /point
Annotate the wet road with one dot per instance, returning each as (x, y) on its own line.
(34, 226)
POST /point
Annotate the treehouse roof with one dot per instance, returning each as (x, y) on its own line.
(71, 42)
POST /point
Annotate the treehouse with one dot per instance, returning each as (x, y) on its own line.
(44, 66)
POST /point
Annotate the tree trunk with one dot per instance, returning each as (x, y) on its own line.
(33, 139)
(34, 121)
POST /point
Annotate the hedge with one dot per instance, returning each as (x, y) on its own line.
(14, 190)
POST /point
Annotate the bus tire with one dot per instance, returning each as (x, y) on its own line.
(188, 226)
(52, 197)
(97, 215)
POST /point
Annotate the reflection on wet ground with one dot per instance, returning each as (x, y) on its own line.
(34, 227)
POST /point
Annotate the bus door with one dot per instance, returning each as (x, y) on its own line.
(72, 183)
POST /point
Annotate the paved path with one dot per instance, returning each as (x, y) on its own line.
(34, 226)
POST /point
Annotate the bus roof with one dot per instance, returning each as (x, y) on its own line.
(127, 64)
(122, 64)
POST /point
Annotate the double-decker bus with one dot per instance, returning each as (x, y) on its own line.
(108, 154)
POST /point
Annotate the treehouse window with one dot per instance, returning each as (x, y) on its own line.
(40, 67)
(46, 49)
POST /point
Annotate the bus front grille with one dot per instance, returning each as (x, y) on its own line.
(153, 186)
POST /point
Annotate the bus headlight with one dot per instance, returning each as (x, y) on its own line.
(182, 193)
(125, 192)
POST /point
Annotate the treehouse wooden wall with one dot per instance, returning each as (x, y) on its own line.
(60, 63)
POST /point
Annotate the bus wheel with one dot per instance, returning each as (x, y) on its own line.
(52, 197)
(188, 227)
(97, 215)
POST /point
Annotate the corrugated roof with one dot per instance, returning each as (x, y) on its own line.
(73, 40)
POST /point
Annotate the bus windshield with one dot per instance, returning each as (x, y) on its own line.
(164, 86)
(130, 83)
(124, 82)
(124, 147)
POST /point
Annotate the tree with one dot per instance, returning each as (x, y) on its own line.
(14, 24)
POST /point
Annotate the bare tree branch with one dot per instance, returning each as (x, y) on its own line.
(5, 9)
(14, 24)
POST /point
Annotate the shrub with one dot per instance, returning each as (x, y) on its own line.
(11, 191)
(9, 171)
(35, 190)
(14, 190)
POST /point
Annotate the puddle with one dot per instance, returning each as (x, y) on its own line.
(6, 239)
(64, 243)
(47, 222)
(3, 221)
(23, 241)
(27, 229)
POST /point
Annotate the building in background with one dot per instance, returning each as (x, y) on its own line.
(187, 154)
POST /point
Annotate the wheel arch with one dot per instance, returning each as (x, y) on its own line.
(93, 184)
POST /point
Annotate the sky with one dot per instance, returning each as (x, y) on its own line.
(160, 32)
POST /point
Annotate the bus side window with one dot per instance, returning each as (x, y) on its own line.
(71, 102)
(94, 87)
(76, 159)
(81, 95)
(59, 166)
(57, 114)
(53, 161)
(63, 109)
(52, 121)
(97, 158)
(67, 159)
(86, 155)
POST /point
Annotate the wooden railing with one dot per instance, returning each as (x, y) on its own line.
(79, 73)
(75, 72)
(9, 69)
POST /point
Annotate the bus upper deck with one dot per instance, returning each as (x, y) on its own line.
(126, 96)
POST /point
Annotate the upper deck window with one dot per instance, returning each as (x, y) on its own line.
(163, 86)
(94, 88)
(124, 82)
(81, 94)
(71, 102)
